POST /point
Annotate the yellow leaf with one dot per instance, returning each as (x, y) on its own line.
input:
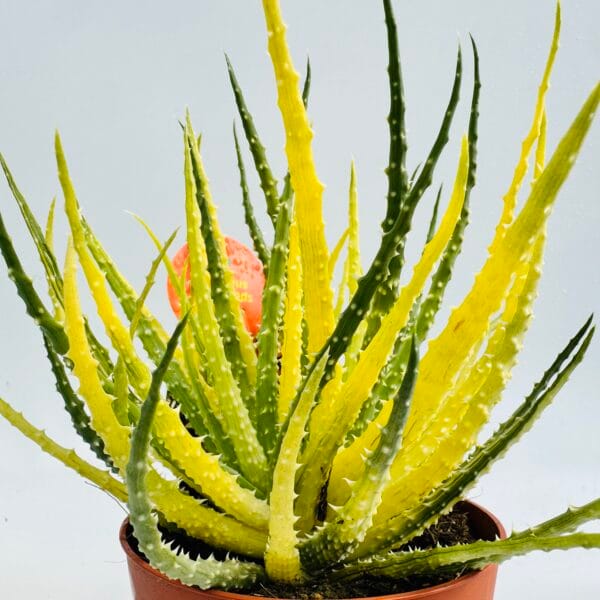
(318, 298)
(291, 349)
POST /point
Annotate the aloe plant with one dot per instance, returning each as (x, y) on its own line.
(319, 449)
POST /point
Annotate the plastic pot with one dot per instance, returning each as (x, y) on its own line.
(149, 584)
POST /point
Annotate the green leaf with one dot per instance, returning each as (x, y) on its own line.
(434, 214)
(256, 234)
(273, 305)
(396, 169)
(393, 257)
(463, 557)
(566, 522)
(268, 183)
(34, 305)
(50, 277)
(441, 277)
(75, 406)
(307, 82)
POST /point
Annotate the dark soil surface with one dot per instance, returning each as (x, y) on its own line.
(361, 588)
(450, 530)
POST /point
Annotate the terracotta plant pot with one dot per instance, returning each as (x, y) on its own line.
(149, 584)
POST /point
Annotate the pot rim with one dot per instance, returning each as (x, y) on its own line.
(414, 595)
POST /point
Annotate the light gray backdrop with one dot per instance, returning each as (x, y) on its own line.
(115, 77)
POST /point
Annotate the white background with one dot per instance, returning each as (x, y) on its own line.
(115, 77)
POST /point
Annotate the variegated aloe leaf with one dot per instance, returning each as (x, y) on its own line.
(287, 191)
(344, 532)
(204, 471)
(115, 329)
(238, 345)
(510, 198)
(455, 430)
(75, 406)
(69, 458)
(282, 557)
(233, 415)
(43, 243)
(370, 436)
(114, 435)
(436, 208)
(287, 244)
(127, 412)
(193, 401)
(348, 280)
(472, 318)
(178, 509)
(335, 256)
(273, 306)
(50, 274)
(179, 285)
(393, 532)
(331, 420)
(392, 373)
(467, 410)
(204, 573)
(569, 521)
(474, 556)
(170, 501)
(178, 282)
(352, 272)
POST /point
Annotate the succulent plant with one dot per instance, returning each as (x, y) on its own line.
(322, 446)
